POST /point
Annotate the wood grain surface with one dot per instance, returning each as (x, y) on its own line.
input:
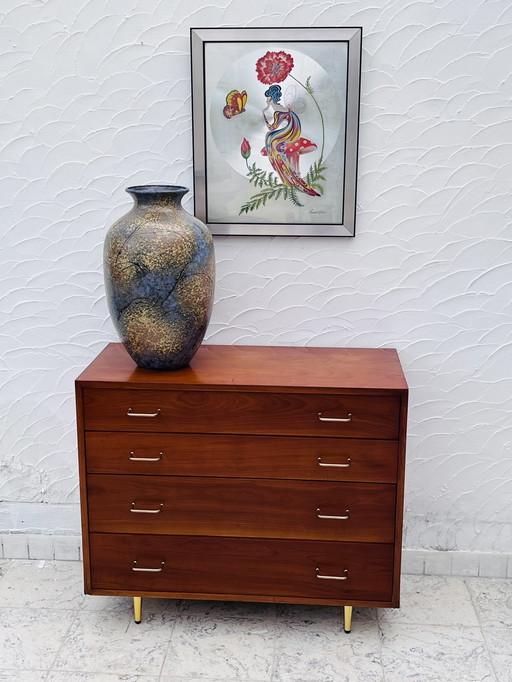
(242, 412)
(286, 457)
(241, 507)
(257, 567)
(286, 369)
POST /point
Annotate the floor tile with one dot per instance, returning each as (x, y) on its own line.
(435, 653)
(30, 639)
(93, 602)
(203, 679)
(499, 643)
(151, 608)
(23, 676)
(493, 600)
(331, 616)
(311, 646)
(51, 632)
(212, 646)
(227, 609)
(112, 642)
(46, 584)
(97, 677)
(432, 600)
(5, 564)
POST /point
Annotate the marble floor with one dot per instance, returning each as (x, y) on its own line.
(448, 630)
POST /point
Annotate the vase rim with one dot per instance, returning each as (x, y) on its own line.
(160, 189)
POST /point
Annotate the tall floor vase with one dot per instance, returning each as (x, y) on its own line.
(159, 270)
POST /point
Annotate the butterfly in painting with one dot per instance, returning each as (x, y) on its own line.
(235, 103)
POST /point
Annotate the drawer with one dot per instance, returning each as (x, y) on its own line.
(330, 459)
(237, 567)
(348, 416)
(241, 507)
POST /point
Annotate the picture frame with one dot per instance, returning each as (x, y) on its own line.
(275, 116)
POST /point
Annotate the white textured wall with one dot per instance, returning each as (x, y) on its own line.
(96, 96)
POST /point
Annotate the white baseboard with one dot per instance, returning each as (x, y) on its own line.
(414, 561)
(467, 564)
(27, 546)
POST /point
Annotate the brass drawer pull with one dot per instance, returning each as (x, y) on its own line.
(132, 458)
(148, 570)
(146, 511)
(142, 414)
(332, 577)
(338, 518)
(345, 420)
(341, 466)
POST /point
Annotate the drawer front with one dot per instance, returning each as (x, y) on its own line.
(340, 416)
(330, 459)
(241, 507)
(181, 565)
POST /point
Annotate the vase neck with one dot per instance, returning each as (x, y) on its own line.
(165, 195)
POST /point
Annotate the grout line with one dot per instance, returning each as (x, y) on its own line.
(380, 635)
(175, 620)
(482, 630)
(7, 567)
(275, 629)
(422, 624)
(64, 640)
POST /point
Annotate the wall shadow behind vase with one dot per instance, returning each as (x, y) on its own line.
(159, 268)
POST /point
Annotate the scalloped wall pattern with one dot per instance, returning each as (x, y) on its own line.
(95, 96)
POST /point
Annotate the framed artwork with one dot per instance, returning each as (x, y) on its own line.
(275, 129)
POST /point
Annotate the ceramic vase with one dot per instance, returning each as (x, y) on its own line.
(159, 276)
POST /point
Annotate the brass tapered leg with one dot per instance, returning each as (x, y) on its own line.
(347, 618)
(137, 609)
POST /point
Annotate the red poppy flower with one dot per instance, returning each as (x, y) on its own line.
(274, 67)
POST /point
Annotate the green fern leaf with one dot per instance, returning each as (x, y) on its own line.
(293, 197)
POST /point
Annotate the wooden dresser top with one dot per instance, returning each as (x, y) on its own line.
(260, 368)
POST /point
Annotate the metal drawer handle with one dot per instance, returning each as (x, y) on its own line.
(332, 577)
(341, 466)
(146, 511)
(334, 419)
(142, 414)
(132, 458)
(148, 570)
(326, 516)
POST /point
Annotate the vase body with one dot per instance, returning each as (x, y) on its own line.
(159, 277)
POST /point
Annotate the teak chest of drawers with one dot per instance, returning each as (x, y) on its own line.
(264, 474)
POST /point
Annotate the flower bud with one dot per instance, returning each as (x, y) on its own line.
(245, 149)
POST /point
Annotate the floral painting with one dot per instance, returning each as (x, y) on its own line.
(275, 135)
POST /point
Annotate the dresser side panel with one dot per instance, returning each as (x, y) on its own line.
(82, 472)
(400, 491)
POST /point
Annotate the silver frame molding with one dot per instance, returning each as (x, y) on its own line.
(199, 37)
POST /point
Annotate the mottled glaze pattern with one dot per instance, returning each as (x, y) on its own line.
(159, 277)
